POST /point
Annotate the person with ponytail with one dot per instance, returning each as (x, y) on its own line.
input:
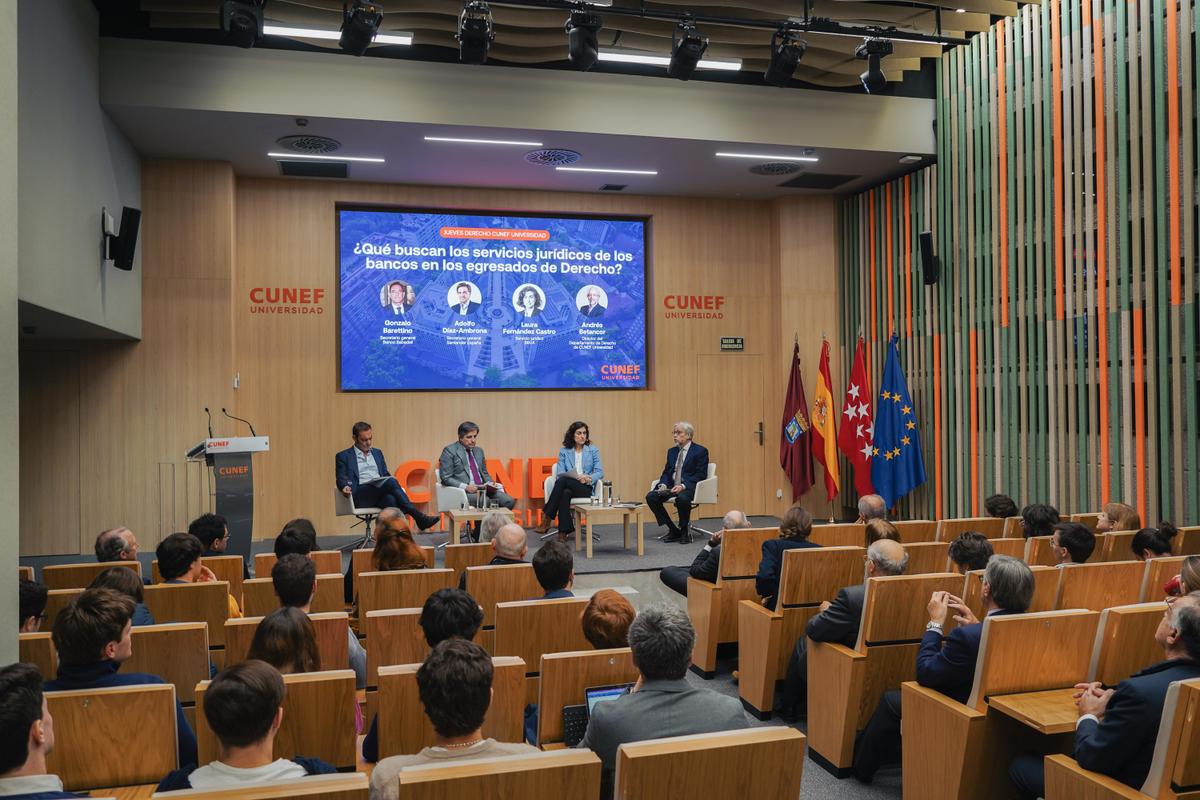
(1153, 542)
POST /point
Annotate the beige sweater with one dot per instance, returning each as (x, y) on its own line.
(385, 779)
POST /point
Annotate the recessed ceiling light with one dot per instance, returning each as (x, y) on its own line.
(607, 169)
(317, 33)
(768, 157)
(626, 57)
(305, 156)
(457, 140)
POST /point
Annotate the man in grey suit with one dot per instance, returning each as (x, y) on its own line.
(463, 465)
(837, 622)
(662, 702)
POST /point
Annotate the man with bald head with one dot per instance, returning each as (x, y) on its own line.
(509, 546)
(871, 506)
(116, 544)
(704, 566)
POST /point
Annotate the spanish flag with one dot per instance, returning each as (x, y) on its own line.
(824, 425)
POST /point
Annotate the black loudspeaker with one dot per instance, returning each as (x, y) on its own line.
(929, 262)
(121, 247)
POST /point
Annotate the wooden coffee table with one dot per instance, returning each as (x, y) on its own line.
(586, 513)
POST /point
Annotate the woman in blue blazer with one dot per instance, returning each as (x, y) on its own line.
(579, 470)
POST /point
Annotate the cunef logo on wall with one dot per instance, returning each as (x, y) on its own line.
(286, 300)
(694, 306)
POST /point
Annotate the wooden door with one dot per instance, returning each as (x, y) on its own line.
(727, 421)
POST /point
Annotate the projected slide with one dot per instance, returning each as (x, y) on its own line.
(441, 300)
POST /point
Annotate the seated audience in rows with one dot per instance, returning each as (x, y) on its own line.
(944, 663)
(554, 568)
(213, 533)
(447, 614)
(1072, 543)
(32, 606)
(970, 550)
(26, 737)
(395, 548)
(116, 544)
(1117, 728)
(93, 637)
(1117, 517)
(244, 708)
(707, 562)
(295, 580)
(387, 517)
(878, 528)
(509, 546)
(179, 562)
(455, 687)
(299, 536)
(1000, 505)
(836, 622)
(794, 531)
(127, 582)
(492, 522)
(871, 506)
(1038, 519)
(1153, 542)
(662, 702)
(606, 620)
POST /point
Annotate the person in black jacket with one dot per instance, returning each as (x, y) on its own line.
(1117, 728)
(794, 530)
(704, 566)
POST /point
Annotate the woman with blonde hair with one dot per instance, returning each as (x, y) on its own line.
(1118, 517)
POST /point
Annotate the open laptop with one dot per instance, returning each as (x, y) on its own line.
(575, 718)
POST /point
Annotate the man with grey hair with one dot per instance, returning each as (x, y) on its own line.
(662, 703)
(944, 663)
(509, 546)
(704, 566)
(836, 622)
(116, 544)
(687, 465)
(491, 523)
(871, 506)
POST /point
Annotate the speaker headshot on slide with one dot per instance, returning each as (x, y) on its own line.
(592, 301)
(464, 298)
(394, 299)
(528, 300)
(463, 465)
(362, 473)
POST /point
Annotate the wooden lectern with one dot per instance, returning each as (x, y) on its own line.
(230, 458)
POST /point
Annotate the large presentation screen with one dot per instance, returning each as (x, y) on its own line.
(479, 300)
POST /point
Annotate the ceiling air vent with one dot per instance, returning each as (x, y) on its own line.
(309, 144)
(775, 168)
(314, 169)
(815, 180)
(613, 187)
(551, 157)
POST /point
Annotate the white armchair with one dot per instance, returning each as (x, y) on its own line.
(343, 506)
(548, 486)
(706, 490)
(448, 498)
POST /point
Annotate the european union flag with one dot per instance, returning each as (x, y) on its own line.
(896, 463)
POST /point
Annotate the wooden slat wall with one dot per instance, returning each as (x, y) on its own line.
(1056, 358)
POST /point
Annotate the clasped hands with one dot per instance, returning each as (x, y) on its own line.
(940, 605)
(1092, 698)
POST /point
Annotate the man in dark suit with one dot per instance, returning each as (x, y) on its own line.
(465, 305)
(1117, 728)
(837, 622)
(687, 465)
(464, 465)
(944, 663)
(592, 308)
(397, 305)
(704, 567)
(509, 546)
(359, 470)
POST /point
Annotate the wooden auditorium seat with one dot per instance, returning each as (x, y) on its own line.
(956, 751)
(339, 786)
(713, 606)
(327, 562)
(751, 763)
(333, 644)
(225, 568)
(1089, 520)
(1038, 552)
(1045, 590)
(80, 576)
(395, 637)
(925, 558)
(25, 573)
(949, 529)
(1101, 585)
(562, 775)
(842, 534)
(460, 556)
(56, 600)
(260, 597)
(1158, 572)
(564, 678)
(123, 736)
(192, 602)
(1187, 541)
(1009, 547)
(503, 583)
(1125, 642)
(1115, 546)
(318, 719)
(844, 684)
(404, 729)
(360, 562)
(177, 652)
(916, 530)
(406, 588)
(766, 638)
(528, 629)
(1012, 528)
(38, 649)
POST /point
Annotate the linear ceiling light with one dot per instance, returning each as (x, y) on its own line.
(765, 157)
(612, 170)
(626, 57)
(306, 156)
(317, 33)
(481, 141)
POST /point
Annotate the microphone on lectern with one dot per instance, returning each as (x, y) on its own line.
(239, 419)
(206, 411)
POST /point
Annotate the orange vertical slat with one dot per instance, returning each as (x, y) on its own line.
(891, 259)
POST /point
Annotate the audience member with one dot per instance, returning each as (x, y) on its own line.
(93, 638)
(1153, 542)
(662, 702)
(492, 522)
(32, 606)
(1038, 519)
(295, 580)
(509, 546)
(871, 506)
(606, 620)
(179, 562)
(213, 533)
(836, 622)
(1000, 505)
(244, 708)
(129, 583)
(878, 528)
(455, 687)
(387, 516)
(970, 551)
(1189, 575)
(1117, 517)
(704, 567)
(794, 530)
(116, 544)
(554, 567)
(26, 737)
(944, 663)
(286, 640)
(1072, 543)
(395, 548)
(290, 542)
(1116, 730)
(299, 528)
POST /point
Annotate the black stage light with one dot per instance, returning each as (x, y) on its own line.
(242, 21)
(475, 34)
(873, 50)
(687, 48)
(360, 23)
(787, 48)
(582, 47)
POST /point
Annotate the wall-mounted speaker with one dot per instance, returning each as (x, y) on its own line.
(930, 271)
(122, 246)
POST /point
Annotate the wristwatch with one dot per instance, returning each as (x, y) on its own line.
(934, 626)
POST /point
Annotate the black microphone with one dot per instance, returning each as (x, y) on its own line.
(239, 419)
(206, 411)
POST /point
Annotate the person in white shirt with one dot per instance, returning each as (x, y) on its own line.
(397, 305)
(27, 735)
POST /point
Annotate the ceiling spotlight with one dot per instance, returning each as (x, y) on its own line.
(787, 48)
(360, 23)
(582, 47)
(242, 21)
(873, 50)
(687, 48)
(475, 32)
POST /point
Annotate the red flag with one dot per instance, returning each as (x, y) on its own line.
(824, 418)
(856, 436)
(795, 448)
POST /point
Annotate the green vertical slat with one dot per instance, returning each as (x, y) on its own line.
(1162, 267)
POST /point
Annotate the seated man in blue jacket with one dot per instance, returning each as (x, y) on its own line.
(93, 637)
(687, 465)
(1117, 728)
(944, 663)
(363, 474)
(708, 561)
(27, 736)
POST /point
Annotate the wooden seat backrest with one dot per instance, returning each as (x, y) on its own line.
(842, 534)
(949, 529)
(502, 583)
(318, 719)
(563, 774)
(1038, 552)
(894, 608)
(404, 729)
(1009, 547)
(80, 576)
(1100, 585)
(1088, 520)
(333, 643)
(926, 557)
(225, 568)
(56, 600)
(177, 652)
(564, 676)
(756, 762)
(38, 649)
(394, 636)
(460, 556)
(1045, 590)
(811, 575)
(1114, 546)
(87, 723)
(25, 573)
(741, 550)
(192, 602)
(260, 597)
(408, 588)
(1158, 572)
(327, 562)
(360, 562)
(530, 628)
(916, 530)
(1174, 768)
(1012, 528)
(1125, 642)
(1187, 541)
(1031, 652)
(338, 786)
